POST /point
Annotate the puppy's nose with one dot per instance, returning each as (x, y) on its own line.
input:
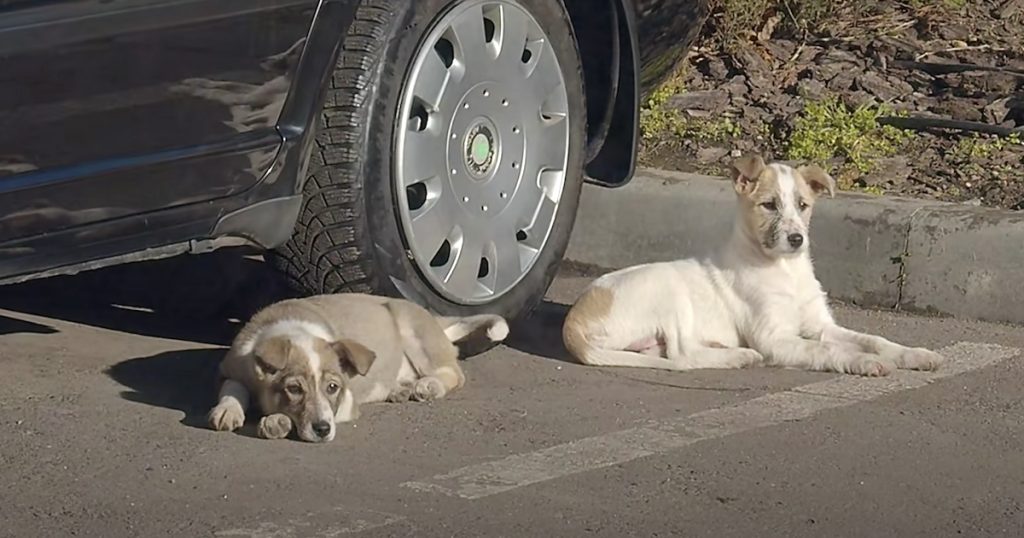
(795, 240)
(322, 428)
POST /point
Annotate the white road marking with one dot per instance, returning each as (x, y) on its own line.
(343, 520)
(486, 479)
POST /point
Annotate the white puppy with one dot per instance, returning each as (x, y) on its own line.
(755, 300)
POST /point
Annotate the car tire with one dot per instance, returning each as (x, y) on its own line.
(350, 235)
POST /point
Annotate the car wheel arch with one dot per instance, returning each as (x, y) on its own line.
(612, 91)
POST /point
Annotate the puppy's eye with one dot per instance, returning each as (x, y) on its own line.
(332, 388)
(803, 206)
(770, 206)
(294, 390)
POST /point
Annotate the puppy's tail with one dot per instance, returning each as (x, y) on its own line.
(457, 329)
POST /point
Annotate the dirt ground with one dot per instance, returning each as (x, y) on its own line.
(749, 87)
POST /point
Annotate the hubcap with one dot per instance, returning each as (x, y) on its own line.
(481, 146)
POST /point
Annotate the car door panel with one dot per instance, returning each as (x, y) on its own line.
(119, 107)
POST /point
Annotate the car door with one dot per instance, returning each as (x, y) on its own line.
(112, 108)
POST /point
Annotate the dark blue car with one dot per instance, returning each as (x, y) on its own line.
(433, 149)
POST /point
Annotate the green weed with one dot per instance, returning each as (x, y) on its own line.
(975, 147)
(829, 129)
(660, 123)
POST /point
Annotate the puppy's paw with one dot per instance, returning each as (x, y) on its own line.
(748, 358)
(226, 417)
(871, 366)
(400, 394)
(276, 426)
(919, 358)
(427, 389)
(498, 330)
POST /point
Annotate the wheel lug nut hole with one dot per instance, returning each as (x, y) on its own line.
(465, 105)
(515, 165)
(504, 195)
(504, 102)
(483, 207)
(487, 93)
(454, 171)
(515, 130)
(465, 198)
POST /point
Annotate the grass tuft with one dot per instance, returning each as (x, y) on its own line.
(828, 129)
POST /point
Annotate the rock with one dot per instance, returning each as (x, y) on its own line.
(751, 120)
(827, 71)
(788, 105)
(843, 81)
(858, 98)
(761, 86)
(750, 61)
(961, 109)
(919, 80)
(1003, 84)
(906, 47)
(695, 81)
(890, 171)
(952, 30)
(924, 103)
(874, 84)
(1009, 9)
(809, 54)
(712, 154)
(781, 49)
(837, 55)
(736, 87)
(745, 145)
(708, 100)
(810, 88)
(714, 68)
(996, 111)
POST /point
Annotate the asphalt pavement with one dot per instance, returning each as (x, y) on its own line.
(102, 401)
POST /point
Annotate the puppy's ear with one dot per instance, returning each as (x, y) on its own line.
(354, 356)
(271, 355)
(745, 171)
(818, 180)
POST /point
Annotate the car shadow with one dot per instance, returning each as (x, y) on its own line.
(181, 380)
(540, 333)
(10, 325)
(190, 298)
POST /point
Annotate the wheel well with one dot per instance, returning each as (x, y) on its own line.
(607, 47)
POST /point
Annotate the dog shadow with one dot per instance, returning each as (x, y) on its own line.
(540, 333)
(183, 381)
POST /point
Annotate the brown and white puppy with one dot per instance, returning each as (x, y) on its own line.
(755, 300)
(309, 363)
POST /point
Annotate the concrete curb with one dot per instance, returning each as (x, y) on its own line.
(893, 253)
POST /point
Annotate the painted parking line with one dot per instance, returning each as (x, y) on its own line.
(340, 520)
(486, 479)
